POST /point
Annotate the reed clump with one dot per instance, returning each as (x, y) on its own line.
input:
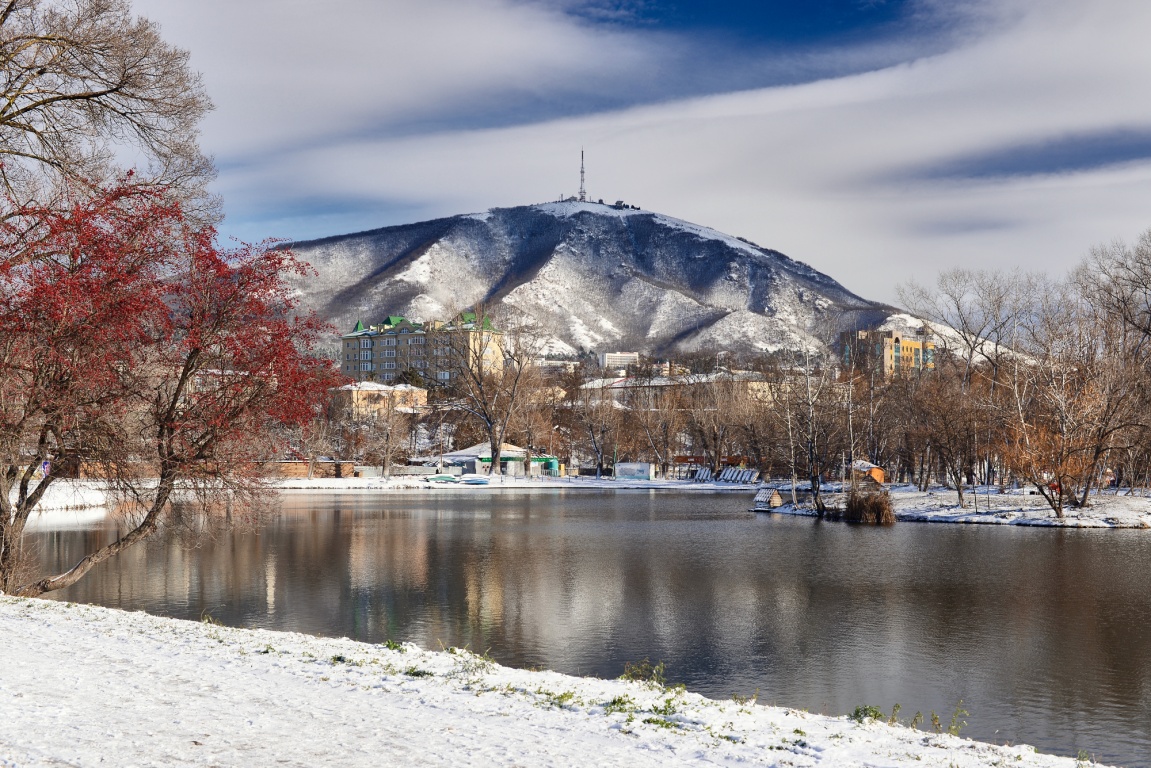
(869, 508)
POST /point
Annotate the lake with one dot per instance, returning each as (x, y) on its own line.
(1044, 634)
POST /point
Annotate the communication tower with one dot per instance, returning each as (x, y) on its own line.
(582, 189)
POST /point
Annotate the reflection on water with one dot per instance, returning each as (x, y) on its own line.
(1044, 634)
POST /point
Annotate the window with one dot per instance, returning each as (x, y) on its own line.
(389, 366)
(388, 376)
(365, 343)
(420, 364)
(439, 351)
(416, 340)
(444, 375)
(389, 353)
(365, 366)
(417, 352)
(389, 342)
(366, 355)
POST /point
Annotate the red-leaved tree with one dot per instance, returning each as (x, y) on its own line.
(134, 350)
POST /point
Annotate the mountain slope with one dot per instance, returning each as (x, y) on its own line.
(596, 277)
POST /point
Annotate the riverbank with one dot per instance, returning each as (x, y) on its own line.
(1015, 507)
(504, 482)
(79, 503)
(82, 685)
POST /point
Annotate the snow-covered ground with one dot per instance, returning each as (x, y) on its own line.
(73, 494)
(1015, 507)
(499, 483)
(82, 685)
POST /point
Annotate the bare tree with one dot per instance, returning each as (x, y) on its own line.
(1074, 393)
(655, 415)
(83, 81)
(710, 414)
(596, 417)
(493, 354)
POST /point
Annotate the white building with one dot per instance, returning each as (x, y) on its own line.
(618, 360)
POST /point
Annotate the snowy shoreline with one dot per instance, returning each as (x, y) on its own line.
(73, 503)
(1012, 508)
(83, 684)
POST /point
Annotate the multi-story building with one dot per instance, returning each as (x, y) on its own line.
(888, 351)
(435, 351)
(618, 361)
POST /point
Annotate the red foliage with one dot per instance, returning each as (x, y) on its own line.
(129, 339)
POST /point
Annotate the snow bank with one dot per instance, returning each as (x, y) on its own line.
(989, 507)
(72, 494)
(504, 483)
(82, 685)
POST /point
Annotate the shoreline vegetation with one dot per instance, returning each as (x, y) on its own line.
(215, 695)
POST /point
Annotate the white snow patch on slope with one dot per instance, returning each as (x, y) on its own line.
(83, 685)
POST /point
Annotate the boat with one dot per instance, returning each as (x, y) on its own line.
(475, 480)
(442, 479)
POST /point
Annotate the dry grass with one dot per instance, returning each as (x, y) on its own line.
(869, 508)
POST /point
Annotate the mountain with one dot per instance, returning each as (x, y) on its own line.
(597, 277)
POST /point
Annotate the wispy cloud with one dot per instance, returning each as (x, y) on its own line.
(1014, 132)
(1059, 154)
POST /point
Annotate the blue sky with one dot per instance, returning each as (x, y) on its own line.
(878, 141)
(770, 21)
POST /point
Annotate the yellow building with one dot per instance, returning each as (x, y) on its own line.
(367, 399)
(888, 351)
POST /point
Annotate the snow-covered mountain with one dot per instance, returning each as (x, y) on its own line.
(597, 277)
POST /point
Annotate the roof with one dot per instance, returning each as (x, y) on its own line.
(371, 386)
(484, 451)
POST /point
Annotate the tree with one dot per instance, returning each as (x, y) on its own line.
(385, 432)
(710, 415)
(80, 81)
(655, 415)
(1076, 394)
(595, 416)
(493, 357)
(134, 348)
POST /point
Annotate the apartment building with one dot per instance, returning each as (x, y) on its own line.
(888, 351)
(435, 351)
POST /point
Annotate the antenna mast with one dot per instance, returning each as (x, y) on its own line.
(582, 190)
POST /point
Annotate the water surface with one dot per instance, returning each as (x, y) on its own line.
(1045, 634)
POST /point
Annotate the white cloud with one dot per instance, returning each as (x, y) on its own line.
(822, 171)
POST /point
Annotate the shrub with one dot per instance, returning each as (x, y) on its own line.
(644, 672)
(867, 713)
(869, 508)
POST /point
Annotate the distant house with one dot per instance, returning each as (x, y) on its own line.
(478, 458)
(867, 472)
(367, 399)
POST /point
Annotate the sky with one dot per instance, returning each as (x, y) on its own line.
(880, 141)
